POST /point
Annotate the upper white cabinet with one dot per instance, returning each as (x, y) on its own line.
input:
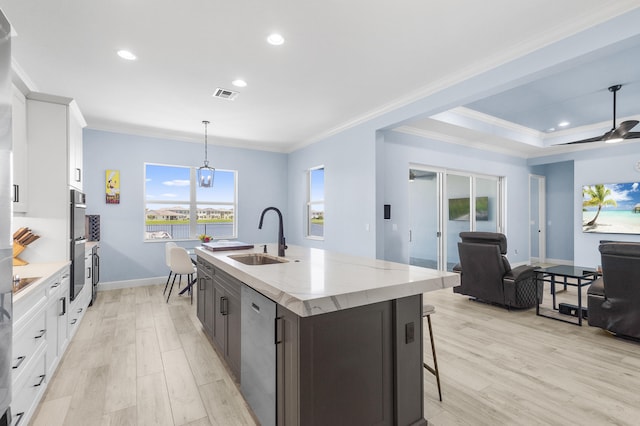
(20, 151)
(54, 126)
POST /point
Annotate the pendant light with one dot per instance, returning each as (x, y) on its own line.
(205, 173)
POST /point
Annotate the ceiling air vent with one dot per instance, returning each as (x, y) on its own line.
(225, 94)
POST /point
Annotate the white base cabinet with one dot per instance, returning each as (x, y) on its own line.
(43, 328)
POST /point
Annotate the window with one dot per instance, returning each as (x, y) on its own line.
(177, 209)
(315, 203)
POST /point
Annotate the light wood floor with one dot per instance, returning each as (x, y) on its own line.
(138, 361)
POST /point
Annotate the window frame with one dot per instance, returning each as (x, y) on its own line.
(310, 203)
(192, 204)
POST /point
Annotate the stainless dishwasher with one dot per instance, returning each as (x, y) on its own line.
(258, 354)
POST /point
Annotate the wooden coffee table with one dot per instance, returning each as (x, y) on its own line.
(564, 275)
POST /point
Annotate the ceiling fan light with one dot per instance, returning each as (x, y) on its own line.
(614, 139)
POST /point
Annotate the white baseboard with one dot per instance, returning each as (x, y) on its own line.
(114, 285)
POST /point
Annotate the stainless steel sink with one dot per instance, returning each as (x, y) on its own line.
(257, 259)
(23, 283)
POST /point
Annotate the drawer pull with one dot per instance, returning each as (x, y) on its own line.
(19, 418)
(42, 333)
(41, 380)
(74, 321)
(20, 361)
(55, 285)
(80, 310)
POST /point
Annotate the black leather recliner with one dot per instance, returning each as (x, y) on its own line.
(487, 275)
(613, 300)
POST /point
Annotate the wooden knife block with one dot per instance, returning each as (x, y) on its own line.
(17, 249)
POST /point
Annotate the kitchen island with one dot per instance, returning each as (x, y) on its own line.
(346, 336)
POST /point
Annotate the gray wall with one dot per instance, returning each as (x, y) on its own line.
(262, 182)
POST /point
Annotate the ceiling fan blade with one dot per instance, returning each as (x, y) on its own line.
(596, 139)
(625, 126)
(632, 135)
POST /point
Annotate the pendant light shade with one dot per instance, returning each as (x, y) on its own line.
(205, 173)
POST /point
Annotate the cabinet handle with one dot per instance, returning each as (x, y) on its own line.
(55, 285)
(20, 360)
(88, 272)
(278, 330)
(65, 276)
(201, 284)
(78, 174)
(223, 306)
(16, 193)
(41, 380)
(64, 306)
(74, 321)
(42, 333)
(19, 418)
(80, 310)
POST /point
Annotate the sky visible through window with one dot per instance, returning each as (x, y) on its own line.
(317, 184)
(171, 184)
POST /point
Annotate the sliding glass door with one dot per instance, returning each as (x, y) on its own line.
(424, 216)
(459, 208)
(445, 203)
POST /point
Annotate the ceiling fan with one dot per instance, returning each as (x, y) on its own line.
(616, 134)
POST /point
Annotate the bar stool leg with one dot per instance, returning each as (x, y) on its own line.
(433, 370)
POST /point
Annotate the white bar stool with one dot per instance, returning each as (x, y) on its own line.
(427, 311)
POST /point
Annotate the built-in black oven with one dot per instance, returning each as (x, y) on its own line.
(77, 242)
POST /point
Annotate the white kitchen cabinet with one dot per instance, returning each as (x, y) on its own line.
(55, 124)
(20, 151)
(27, 394)
(77, 309)
(57, 320)
(40, 335)
(54, 129)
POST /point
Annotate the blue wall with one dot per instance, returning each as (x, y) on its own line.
(262, 182)
(402, 149)
(559, 209)
(607, 164)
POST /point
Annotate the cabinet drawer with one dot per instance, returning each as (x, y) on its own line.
(22, 307)
(26, 343)
(25, 398)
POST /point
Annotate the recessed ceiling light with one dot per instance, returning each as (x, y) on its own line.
(551, 129)
(239, 83)
(563, 124)
(275, 39)
(125, 54)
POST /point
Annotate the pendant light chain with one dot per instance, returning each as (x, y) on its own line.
(206, 123)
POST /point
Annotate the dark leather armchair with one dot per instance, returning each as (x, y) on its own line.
(487, 275)
(613, 300)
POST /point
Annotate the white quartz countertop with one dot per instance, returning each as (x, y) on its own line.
(42, 271)
(315, 281)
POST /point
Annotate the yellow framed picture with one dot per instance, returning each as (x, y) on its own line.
(112, 186)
